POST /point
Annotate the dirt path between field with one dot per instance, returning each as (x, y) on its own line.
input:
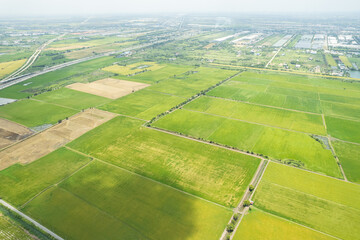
(247, 196)
(38, 225)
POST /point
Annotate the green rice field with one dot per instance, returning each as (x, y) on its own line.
(72, 98)
(297, 121)
(19, 183)
(207, 171)
(143, 104)
(105, 202)
(349, 155)
(32, 113)
(259, 225)
(329, 205)
(269, 141)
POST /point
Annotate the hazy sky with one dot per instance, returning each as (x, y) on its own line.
(84, 7)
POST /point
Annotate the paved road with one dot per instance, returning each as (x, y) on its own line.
(31, 220)
(9, 82)
(32, 59)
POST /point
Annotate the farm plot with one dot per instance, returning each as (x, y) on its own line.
(341, 110)
(259, 225)
(53, 138)
(207, 171)
(105, 202)
(290, 147)
(10, 231)
(257, 94)
(192, 82)
(349, 155)
(297, 121)
(11, 132)
(33, 113)
(143, 104)
(109, 87)
(20, 183)
(343, 129)
(8, 67)
(133, 69)
(325, 204)
(72, 98)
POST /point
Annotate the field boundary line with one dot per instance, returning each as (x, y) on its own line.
(263, 105)
(55, 184)
(338, 139)
(148, 178)
(288, 220)
(38, 225)
(261, 124)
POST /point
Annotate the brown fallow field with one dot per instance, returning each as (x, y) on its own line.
(11, 132)
(108, 87)
(53, 138)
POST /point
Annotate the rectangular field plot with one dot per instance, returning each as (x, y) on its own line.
(341, 110)
(297, 121)
(245, 92)
(349, 156)
(11, 132)
(322, 203)
(143, 104)
(133, 69)
(104, 202)
(72, 99)
(259, 225)
(210, 172)
(343, 129)
(32, 113)
(11, 231)
(53, 138)
(191, 83)
(291, 147)
(109, 87)
(19, 183)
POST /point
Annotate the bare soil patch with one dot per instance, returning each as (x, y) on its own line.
(53, 138)
(109, 87)
(11, 132)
